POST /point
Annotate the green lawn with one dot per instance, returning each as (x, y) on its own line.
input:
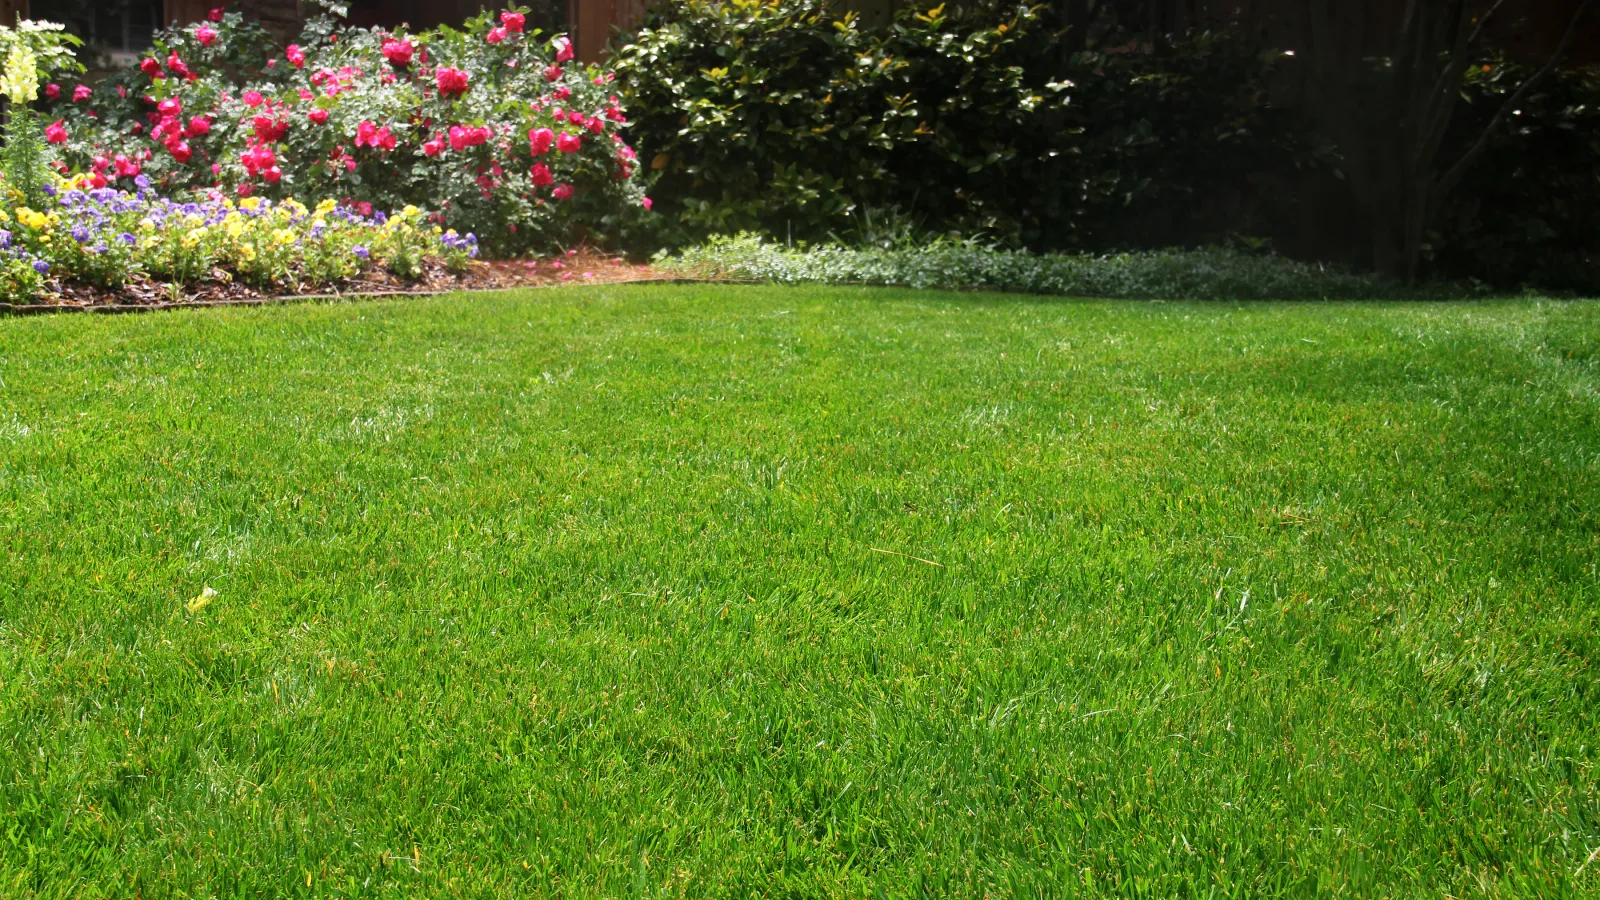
(736, 591)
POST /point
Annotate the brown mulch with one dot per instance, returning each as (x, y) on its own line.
(575, 267)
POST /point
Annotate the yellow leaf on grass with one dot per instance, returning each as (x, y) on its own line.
(202, 600)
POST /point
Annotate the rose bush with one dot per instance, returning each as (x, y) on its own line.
(494, 129)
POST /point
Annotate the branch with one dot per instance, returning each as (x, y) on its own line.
(1451, 178)
(1440, 104)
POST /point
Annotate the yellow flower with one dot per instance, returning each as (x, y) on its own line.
(410, 212)
(3, 217)
(193, 236)
(283, 236)
(32, 219)
(250, 203)
(235, 227)
(247, 252)
(326, 206)
(147, 224)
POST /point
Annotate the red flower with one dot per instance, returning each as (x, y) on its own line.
(563, 48)
(56, 132)
(252, 99)
(398, 53)
(370, 135)
(575, 117)
(199, 125)
(206, 35)
(553, 73)
(568, 143)
(269, 129)
(433, 147)
(541, 175)
(647, 202)
(319, 116)
(81, 93)
(180, 151)
(170, 106)
(52, 91)
(452, 81)
(562, 192)
(150, 67)
(176, 66)
(495, 35)
(272, 174)
(216, 15)
(542, 139)
(513, 21)
(127, 168)
(561, 92)
(295, 55)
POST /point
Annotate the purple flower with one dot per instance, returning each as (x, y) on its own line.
(362, 251)
(5, 240)
(127, 238)
(40, 266)
(80, 234)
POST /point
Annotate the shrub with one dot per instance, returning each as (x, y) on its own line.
(495, 129)
(1208, 274)
(1529, 212)
(786, 118)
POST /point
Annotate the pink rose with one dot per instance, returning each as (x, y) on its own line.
(216, 15)
(495, 35)
(252, 99)
(81, 93)
(206, 35)
(568, 143)
(452, 82)
(52, 91)
(295, 55)
(199, 125)
(513, 21)
(647, 203)
(541, 175)
(541, 139)
(398, 53)
(562, 192)
(563, 48)
(318, 116)
(56, 132)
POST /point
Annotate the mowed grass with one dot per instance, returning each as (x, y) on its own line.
(736, 591)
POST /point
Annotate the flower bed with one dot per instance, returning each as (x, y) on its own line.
(105, 238)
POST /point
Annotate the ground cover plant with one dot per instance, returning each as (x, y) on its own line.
(718, 590)
(1207, 274)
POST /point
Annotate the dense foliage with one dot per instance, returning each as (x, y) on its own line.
(788, 118)
(1209, 274)
(1530, 211)
(490, 127)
